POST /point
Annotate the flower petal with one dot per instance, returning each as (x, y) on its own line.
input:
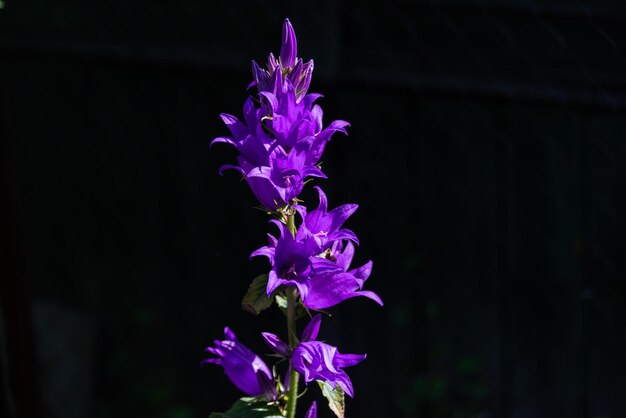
(312, 412)
(276, 344)
(289, 47)
(312, 328)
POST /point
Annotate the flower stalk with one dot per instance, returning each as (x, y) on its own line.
(292, 396)
(280, 142)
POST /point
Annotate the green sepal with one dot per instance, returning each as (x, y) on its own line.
(281, 301)
(335, 396)
(256, 299)
(250, 408)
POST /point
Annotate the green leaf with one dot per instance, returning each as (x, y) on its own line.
(281, 301)
(250, 408)
(256, 299)
(335, 396)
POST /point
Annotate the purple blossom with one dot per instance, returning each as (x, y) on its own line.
(288, 119)
(317, 265)
(244, 368)
(288, 66)
(292, 121)
(277, 184)
(248, 139)
(279, 144)
(293, 264)
(330, 287)
(289, 47)
(323, 227)
(316, 360)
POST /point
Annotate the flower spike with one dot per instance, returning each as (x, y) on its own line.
(279, 141)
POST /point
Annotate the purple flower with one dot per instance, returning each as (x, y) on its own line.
(288, 66)
(289, 47)
(312, 412)
(293, 264)
(244, 368)
(248, 139)
(288, 119)
(279, 183)
(330, 287)
(316, 360)
(292, 121)
(322, 276)
(323, 227)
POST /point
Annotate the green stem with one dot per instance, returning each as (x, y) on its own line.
(292, 396)
(291, 317)
(291, 224)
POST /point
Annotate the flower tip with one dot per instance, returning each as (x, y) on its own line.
(312, 329)
(229, 334)
(288, 28)
(312, 412)
(276, 344)
(288, 49)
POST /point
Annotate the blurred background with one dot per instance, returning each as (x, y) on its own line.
(487, 153)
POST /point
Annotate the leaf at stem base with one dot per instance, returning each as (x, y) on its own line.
(335, 397)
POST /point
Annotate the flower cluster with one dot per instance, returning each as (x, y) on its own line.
(279, 144)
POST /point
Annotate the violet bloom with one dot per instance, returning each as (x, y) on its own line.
(323, 280)
(292, 121)
(330, 287)
(293, 264)
(288, 65)
(323, 227)
(248, 139)
(279, 183)
(316, 360)
(244, 368)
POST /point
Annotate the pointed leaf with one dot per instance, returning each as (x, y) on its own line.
(256, 299)
(335, 396)
(250, 408)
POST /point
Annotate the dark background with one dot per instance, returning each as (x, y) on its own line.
(487, 153)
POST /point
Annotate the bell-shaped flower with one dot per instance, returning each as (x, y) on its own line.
(288, 66)
(292, 121)
(316, 360)
(245, 369)
(248, 139)
(279, 183)
(289, 46)
(293, 264)
(330, 287)
(317, 143)
(288, 119)
(323, 227)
